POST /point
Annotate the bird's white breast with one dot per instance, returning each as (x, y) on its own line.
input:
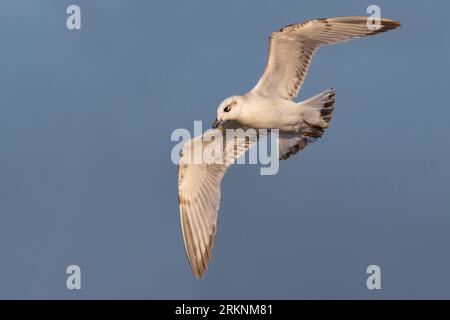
(268, 113)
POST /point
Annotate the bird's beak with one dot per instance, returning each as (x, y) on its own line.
(218, 123)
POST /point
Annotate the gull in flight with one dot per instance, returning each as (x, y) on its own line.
(268, 105)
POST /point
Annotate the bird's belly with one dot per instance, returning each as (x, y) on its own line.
(265, 121)
(272, 116)
(263, 116)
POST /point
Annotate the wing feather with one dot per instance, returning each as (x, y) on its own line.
(292, 48)
(199, 193)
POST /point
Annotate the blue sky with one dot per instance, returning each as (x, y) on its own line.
(86, 177)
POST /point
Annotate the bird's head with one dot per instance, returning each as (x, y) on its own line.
(229, 110)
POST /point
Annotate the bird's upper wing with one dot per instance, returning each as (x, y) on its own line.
(292, 48)
(199, 190)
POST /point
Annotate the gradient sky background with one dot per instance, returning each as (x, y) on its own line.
(86, 177)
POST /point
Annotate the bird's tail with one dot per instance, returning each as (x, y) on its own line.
(316, 113)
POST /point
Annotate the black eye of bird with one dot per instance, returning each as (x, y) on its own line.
(227, 109)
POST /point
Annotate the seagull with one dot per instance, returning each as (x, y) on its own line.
(269, 105)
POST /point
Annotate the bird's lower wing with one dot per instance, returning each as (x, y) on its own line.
(202, 166)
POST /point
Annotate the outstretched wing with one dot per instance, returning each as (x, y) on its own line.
(292, 48)
(199, 181)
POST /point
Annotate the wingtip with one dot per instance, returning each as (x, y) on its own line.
(386, 25)
(396, 23)
(392, 23)
(198, 276)
(198, 273)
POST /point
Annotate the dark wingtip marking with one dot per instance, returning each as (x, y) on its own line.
(386, 25)
(326, 111)
(328, 104)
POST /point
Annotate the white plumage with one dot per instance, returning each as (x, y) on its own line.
(267, 106)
